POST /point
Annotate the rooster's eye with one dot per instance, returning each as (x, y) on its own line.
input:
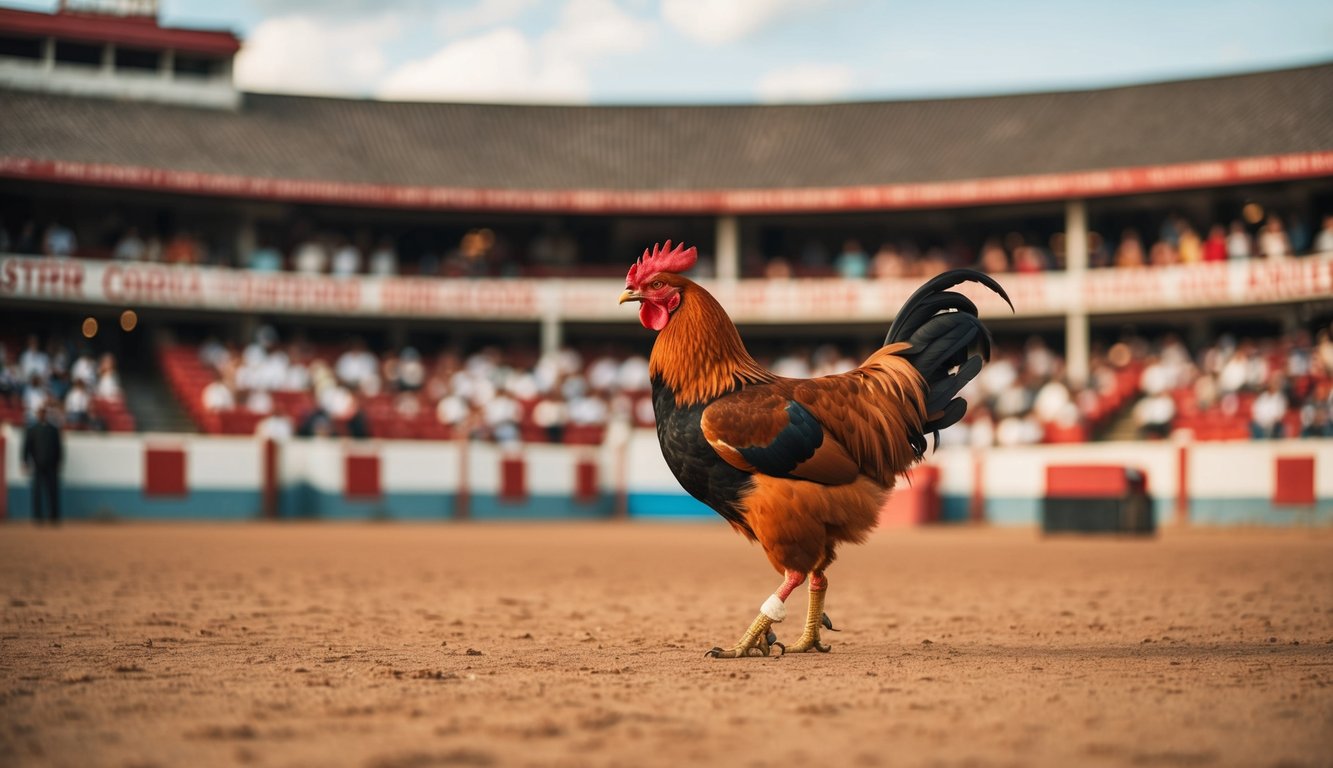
(657, 284)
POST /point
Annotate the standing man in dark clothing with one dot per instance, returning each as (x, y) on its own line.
(42, 456)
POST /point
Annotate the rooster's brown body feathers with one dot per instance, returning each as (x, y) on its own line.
(801, 465)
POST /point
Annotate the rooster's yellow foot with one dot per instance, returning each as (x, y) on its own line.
(757, 641)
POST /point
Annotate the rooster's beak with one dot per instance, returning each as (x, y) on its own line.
(629, 295)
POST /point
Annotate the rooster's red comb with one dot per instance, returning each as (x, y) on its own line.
(662, 258)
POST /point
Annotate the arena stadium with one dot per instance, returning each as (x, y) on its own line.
(360, 455)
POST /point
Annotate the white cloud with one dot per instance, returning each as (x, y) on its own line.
(806, 82)
(310, 55)
(717, 22)
(457, 22)
(499, 65)
(505, 65)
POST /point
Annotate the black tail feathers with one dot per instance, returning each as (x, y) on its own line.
(948, 344)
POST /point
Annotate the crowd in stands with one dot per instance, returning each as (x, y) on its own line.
(78, 388)
(1231, 389)
(572, 396)
(1238, 388)
(282, 389)
(481, 252)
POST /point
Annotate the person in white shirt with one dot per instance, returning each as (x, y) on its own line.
(59, 240)
(311, 258)
(384, 260)
(130, 247)
(217, 396)
(34, 361)
(77, 405)
(108, 381)
(346, 260)
(1323, 243)
(1268, 411)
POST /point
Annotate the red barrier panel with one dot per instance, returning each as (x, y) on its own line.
(361, 477)
(1293, 482)
(1087, 481)
(164, 473)
(915, 500)
(585, 481)
(513, 480)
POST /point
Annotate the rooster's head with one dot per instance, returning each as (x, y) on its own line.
(655, 281)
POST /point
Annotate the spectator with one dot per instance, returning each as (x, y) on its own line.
(346, 259)
(1189, 246)
(1273, 242)
(1323, 242)
(43, 453)
(311, 258)
(1154, 414)
(888, 262)
(35, 397)
(108, 380)
(1215, 247)
(84, 370)
(1268, 411)
(853, 263)
(34, 361)
(218, 396)
(777, 268)
(552, 415)
(265, 258)
(275, 426)
(78, 405)
(59, 240)
(182, 249)
(1315, 421)
(1129, 253)
(357, 368)
(384, 259)
(451, 410)
(411, 371)
(993, 258)
(130, 247)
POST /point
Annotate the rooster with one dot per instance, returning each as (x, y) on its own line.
(798, 465)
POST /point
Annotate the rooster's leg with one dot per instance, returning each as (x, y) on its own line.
(814, 618)
(758, 640)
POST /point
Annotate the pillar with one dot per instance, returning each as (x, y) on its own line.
(727, 249)
(1077, 330)
(552, 332)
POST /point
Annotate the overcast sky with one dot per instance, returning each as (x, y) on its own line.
(744, 51)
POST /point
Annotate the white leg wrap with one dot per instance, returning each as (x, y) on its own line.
(773, 608)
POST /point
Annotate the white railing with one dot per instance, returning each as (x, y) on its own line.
(85, 282)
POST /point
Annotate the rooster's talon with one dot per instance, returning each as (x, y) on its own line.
(827, 622)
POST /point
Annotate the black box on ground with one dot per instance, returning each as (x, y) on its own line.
(1097, 499)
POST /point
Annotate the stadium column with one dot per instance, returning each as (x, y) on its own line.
(727, 249)
(552, 322)
(167, 64)
(1077, 330)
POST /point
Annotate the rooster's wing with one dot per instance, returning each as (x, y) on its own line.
(829, 429)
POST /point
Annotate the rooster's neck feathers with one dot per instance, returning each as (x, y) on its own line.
(699, 355)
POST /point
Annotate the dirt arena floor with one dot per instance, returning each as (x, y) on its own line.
(407, 646)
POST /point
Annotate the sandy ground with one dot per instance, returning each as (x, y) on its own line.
(405, 646)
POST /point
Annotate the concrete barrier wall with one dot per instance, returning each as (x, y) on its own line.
(162, 476)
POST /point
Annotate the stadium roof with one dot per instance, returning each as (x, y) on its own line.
(701, 159)
(130, 31)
